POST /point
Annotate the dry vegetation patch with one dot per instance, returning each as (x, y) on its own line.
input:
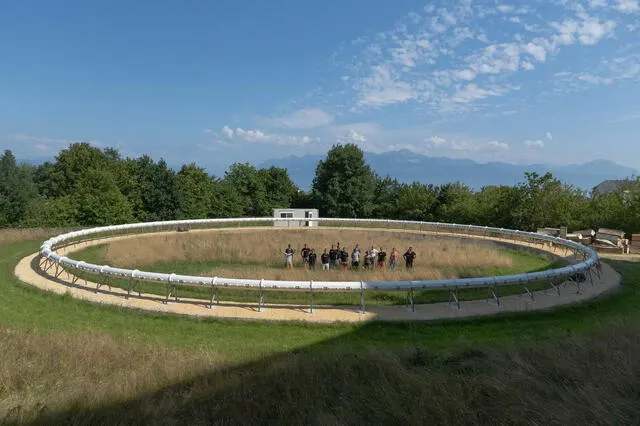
(257, 253)
(14, 235)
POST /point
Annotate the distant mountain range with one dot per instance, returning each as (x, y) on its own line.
(408, 167)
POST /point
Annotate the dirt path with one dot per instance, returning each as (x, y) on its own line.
(27, 271)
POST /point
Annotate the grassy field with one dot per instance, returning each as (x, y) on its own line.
(228, 254)
(66, 361)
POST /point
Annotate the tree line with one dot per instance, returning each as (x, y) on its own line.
(87, 186)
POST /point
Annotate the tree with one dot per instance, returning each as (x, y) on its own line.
(496, 206)
(250, 186)
(17, 189)
(156, 187)
(385, 195)
(226, 201)
(98, 201)
(280, 191)
(457, 204)
(344, 184)
(70, 165)
(194, 193)
(417, 202)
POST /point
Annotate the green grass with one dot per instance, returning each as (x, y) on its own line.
(523, 261)
(24, 307)
(66, 361)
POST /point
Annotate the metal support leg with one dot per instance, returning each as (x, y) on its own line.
(167, 293)
(493, 293)
(261, 300)
(453, 297)
(214, 293)
(528, 292)
(410, 298)
(59, 271)
(311, 297)
(362, 308)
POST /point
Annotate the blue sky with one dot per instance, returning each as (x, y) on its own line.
(219, 82)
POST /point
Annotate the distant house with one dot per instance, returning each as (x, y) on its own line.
(302, 216)
(609, 186)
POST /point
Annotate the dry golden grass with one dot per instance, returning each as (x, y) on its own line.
(14, 235)
(51, 372)
(257, 253)
(92, 379)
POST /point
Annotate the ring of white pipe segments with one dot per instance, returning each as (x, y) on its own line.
(591, 259)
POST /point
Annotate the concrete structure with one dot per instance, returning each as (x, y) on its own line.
(302, 214)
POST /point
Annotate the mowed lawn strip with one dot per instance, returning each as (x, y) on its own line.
(24, 307)
(523, 261)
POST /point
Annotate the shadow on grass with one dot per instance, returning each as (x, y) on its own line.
(576, 365)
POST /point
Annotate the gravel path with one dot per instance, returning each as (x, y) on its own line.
(28, 271)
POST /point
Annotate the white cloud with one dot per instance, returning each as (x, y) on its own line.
(207, 130)
(628, 6)
(352, 136)
(436, 141)
(21, 137)
(382, 88)
(594, 79)
(549, 136)
(588, 30)
(227, 132)
(504, 8)
(471, 92)
(527, 66)
(259, 136)
(500, 146)
(597, 3)
(307, 118)
(534, 144)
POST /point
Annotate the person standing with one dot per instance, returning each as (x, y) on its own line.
(312, 259)
(288, 256)
(324, 259)
(393, 259)
(355, 257)
(382, 256)
(409, 257)
(344, 257)
(305, 254)
(374, 254)
(333, 257)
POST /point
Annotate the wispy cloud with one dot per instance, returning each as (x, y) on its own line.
(259, 136)
(443, 59)
(534, 144)
(21, 137)
(306, 118)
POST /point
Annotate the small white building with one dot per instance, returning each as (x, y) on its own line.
(299, 217)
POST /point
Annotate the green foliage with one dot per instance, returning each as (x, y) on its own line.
(194, 193)
(98, 201)
(17, 189)
(88, 186)
(344, 183)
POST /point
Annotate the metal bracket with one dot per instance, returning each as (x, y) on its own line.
(454, 298)
(528, 292)
(410, 301)
(261, 300)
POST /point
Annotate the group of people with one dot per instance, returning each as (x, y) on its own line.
(338, 257)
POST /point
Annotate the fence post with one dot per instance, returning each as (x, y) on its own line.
(261, 300)
(311, 297)
(362, 297)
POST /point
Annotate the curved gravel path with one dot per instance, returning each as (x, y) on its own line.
(28, 271)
